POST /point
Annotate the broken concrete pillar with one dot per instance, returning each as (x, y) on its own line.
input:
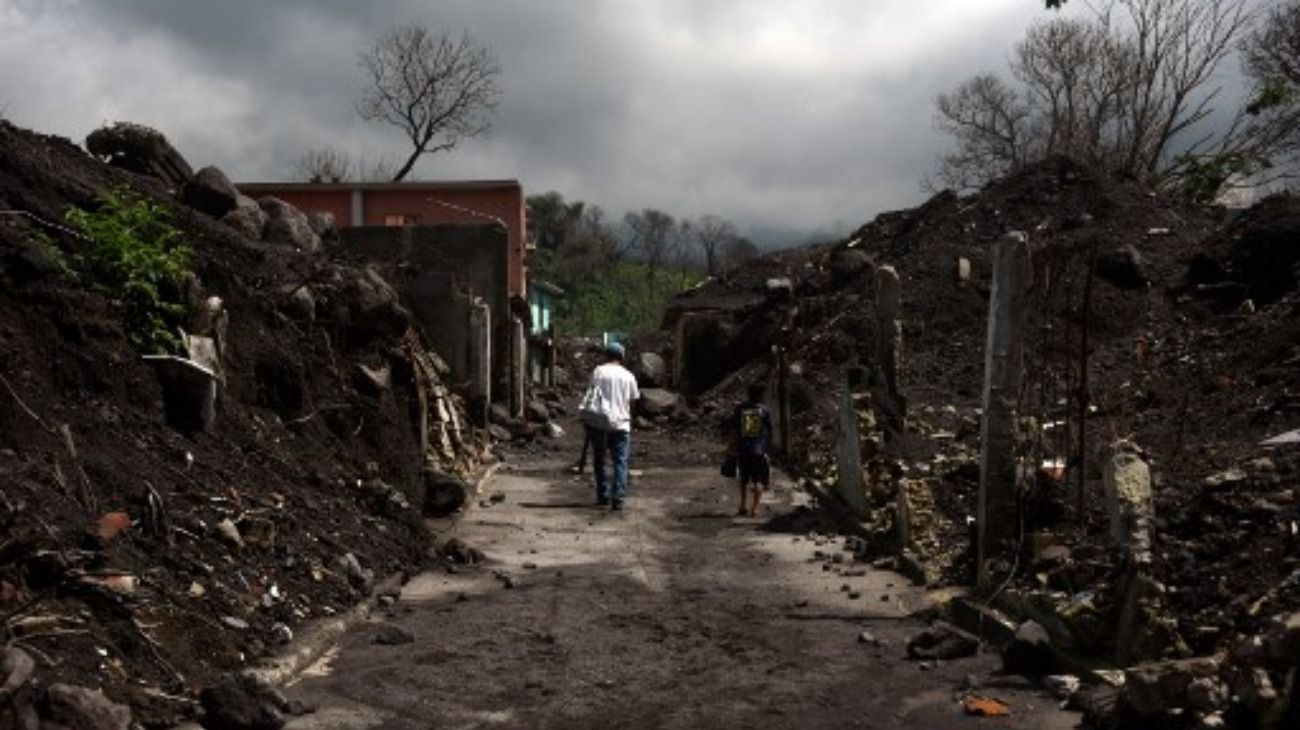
(518, 367)
(997, 517)
(480, 361)
(889, 346)
(848, 455)
(1129, 502)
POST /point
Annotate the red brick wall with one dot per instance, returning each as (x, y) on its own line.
(415, 203)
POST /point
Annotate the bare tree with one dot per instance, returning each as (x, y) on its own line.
(711, 234)
(436, 89)
(1126, 89)
(653, 238)
(324, 164)
(1272, 56)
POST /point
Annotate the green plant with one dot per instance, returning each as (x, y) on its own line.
(134, 254)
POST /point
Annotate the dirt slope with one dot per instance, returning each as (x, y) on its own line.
(308, 459)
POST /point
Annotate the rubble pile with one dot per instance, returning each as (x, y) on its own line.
(170, 521)
(1190, 319)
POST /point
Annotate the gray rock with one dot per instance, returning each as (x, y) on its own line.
(848, 263)
(211, 192)
(444, 494)
(322, 224)
(1155, 688)
(658, 402)
(498, 433)
(16, 670)
(238, 624)
(241, 702)
(389, 635)
(942, 641)
(287, 225)
(247, 217)
(499, 415)
(650, 370)
(1029, 653)
(363, 579)
(537, 412)
(302, 304)
(141, 150)
(84, 709)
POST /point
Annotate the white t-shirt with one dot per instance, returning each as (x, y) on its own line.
(613, 389)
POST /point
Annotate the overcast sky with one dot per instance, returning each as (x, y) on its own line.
(782, 115)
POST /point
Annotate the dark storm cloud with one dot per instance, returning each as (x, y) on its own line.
(792, 116)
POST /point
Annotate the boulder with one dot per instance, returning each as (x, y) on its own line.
(141, 150)
(371, 305)
(322, 224)
(650, 370)
(1156, 688)
(247, 217)
(242, 702)
(1029, 652)
(537, 412)
(848, 263)
(16, 669)
(500, 415)
(84, 709)
(287, 225)
(1123, 268)
(658, 402)
(444, 494)
(302, 303)
(498, 433)
(211, 192)
(942, 641)
(360, 578)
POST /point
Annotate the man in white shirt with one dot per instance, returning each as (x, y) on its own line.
(606, 412)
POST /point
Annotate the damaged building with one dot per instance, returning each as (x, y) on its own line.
(460, 249)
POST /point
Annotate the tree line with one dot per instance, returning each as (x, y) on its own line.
(1135, 88)
(620, 275)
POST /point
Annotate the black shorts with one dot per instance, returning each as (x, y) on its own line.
(754, 469)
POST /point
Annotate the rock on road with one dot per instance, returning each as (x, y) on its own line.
(672, 614)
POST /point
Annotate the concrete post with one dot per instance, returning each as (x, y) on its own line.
(783, 400)
(889, 347)
(848, 455)
(480, 361)
(1129, 502)
(997, 518)
(518, 366)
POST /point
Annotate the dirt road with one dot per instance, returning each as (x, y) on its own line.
(672, 614)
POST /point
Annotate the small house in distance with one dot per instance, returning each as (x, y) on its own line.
(464, 242)
(541, 337)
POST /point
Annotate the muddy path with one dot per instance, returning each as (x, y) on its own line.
(672, 614)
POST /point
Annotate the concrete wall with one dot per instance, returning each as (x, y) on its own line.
(471, 203)
(452, 267)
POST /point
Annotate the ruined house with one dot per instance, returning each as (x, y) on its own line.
(462, 248)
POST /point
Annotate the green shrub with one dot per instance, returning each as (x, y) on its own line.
(134, 254)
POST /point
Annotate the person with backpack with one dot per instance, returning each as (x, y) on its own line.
(606, 412)
(751, 423)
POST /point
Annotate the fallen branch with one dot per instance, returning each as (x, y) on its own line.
(23, 405)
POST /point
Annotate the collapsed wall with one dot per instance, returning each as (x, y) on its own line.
(128, 527)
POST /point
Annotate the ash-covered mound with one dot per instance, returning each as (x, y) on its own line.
(148, 559)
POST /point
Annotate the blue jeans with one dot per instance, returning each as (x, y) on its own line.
(617, 444)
